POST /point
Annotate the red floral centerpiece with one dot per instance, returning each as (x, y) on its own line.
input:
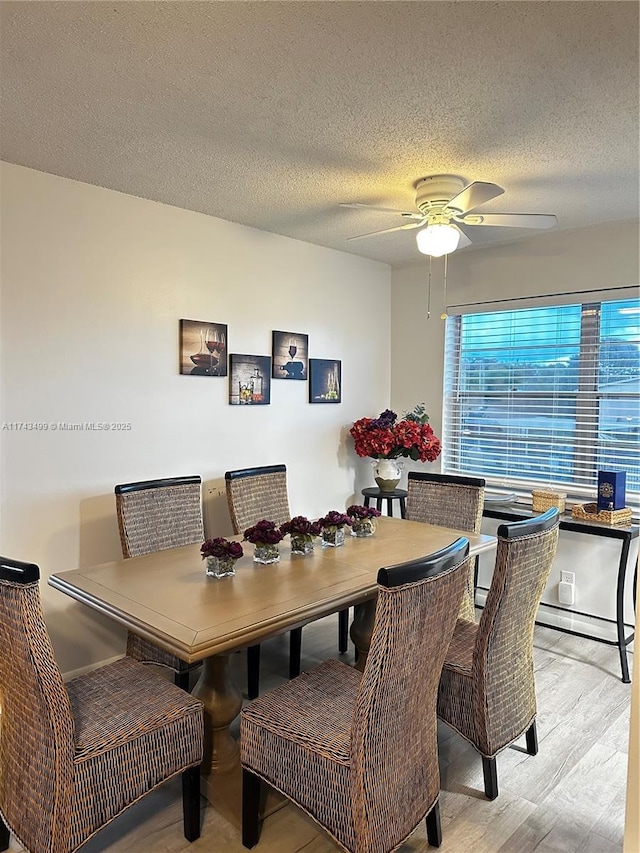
(333, 525)
(387, 438)
(221, 555)
(265, 535)
(302, 532)
(362, 520)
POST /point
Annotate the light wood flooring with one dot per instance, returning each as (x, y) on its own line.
(568, 798)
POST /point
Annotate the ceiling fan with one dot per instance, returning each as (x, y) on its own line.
(444, 203)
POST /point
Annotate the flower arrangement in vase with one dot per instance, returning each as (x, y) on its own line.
(302, 532)
(333, 525)
(221, 555)
(385, 439)
(362, 520)
(265, 535)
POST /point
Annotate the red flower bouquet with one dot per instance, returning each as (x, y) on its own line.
(386, 437)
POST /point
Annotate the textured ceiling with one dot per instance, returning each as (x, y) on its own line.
(270, 114)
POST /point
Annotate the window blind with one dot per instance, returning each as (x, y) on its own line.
(547, 395)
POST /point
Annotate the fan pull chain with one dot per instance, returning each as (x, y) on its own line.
(429, 291)
(443, 316)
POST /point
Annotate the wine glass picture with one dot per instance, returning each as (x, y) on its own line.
(290, 355)
(325, 380)
(210, 340)
(221, 350)
(216, 344)
(203, 348)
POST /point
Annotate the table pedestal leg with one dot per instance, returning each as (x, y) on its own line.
(221, 778)
(362, 628)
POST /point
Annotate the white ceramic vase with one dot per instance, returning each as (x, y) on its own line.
(387, 473)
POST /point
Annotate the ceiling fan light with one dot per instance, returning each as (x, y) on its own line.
(438, 240)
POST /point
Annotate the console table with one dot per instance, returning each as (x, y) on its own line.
(626, 534)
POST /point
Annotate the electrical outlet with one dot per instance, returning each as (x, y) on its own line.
(566, 593)
(567, 577)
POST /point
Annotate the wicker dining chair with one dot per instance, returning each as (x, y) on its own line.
(154, 515)
(487, 689)
(359, 753)
(74, 756)
(449, 501)
(254, 494)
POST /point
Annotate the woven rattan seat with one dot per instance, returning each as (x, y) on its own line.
(154, 515)
(449, 501)
(487, 689)
(359, 752)
(73, 757)
(254, 494)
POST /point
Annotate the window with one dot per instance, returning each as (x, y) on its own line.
(545, 395)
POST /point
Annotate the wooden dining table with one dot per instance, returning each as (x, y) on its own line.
(166, 597)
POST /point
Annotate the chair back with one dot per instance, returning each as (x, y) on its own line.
(394, 769)
(449, 501)
(157, 514)
(503, 654)
(36, 723)
(446, 500)
(257, 493)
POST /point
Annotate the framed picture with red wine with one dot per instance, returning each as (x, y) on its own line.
(290, 355)
(203, 348)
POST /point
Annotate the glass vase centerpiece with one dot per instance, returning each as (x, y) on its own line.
(221, 556)
(363, 520)
(385, 439)
(302, 533)
(333, 525)
(265, 536)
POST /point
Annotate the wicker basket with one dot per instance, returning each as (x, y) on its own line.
(590, 512)
(542, 501)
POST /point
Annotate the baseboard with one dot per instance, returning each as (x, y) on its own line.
(75, 673)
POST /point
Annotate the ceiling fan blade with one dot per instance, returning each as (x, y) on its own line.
(388, 230)
(464, 240)
(473, 196)
(515, 220)
(406, 213)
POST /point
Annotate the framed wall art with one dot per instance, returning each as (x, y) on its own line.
(325, 380)
(290, 355)
(203, 348)
(249, 380)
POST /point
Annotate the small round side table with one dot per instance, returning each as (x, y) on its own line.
(389, 497)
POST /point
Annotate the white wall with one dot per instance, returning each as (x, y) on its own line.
(602, 257)
(94, 283)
